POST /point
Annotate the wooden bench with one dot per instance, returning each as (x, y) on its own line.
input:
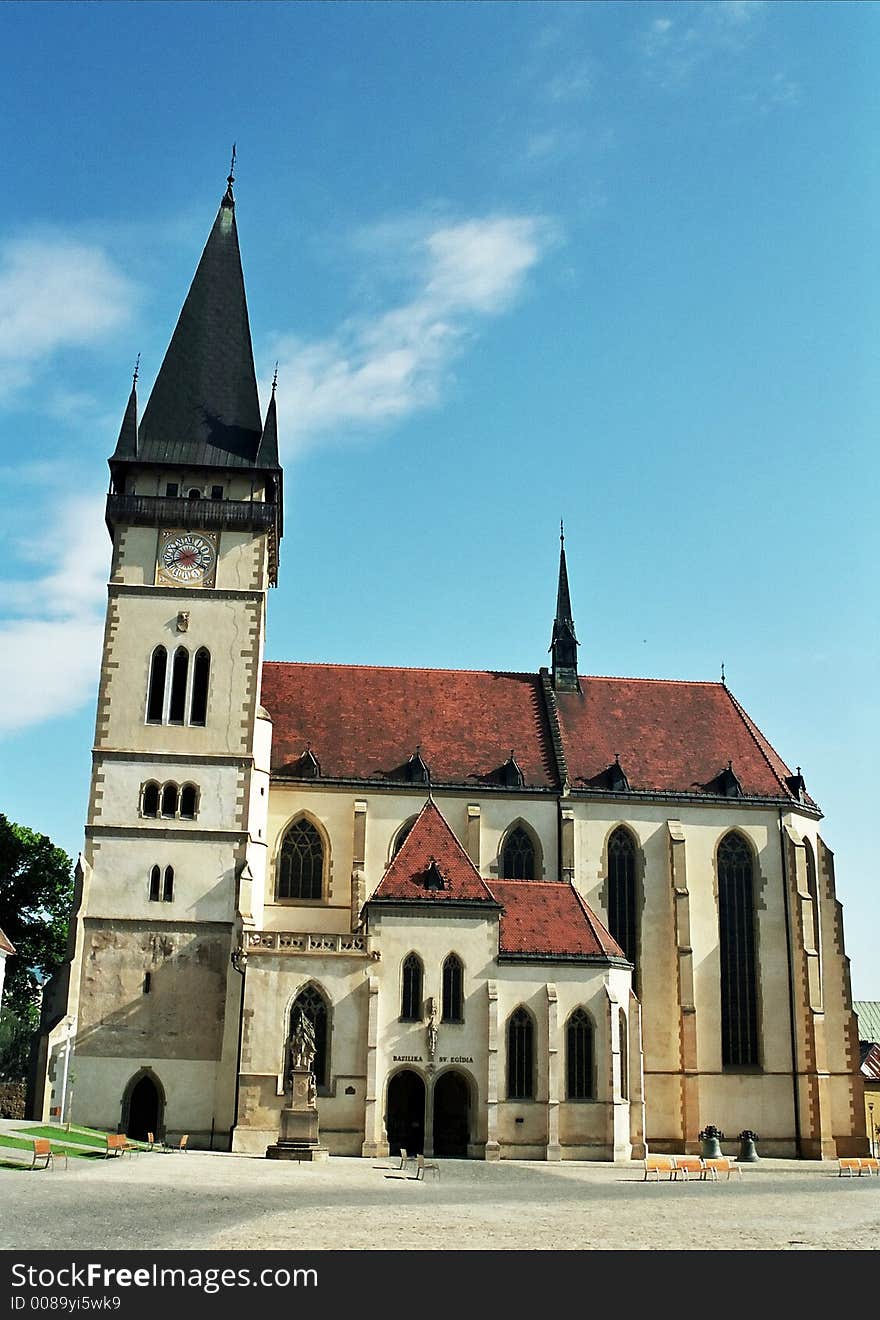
(853, 1165)
(424, 1166)
(712, 1168)
(117, 1144)
(181, 1145)
(689, 1166)
(43, 1151)
(658, 1164)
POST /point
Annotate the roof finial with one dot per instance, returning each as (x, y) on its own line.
(561, 530)
(275, 378)
(228, 199)
(134, 378)
(723, 679)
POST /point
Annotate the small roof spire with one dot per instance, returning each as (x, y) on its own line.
(564, 642)
(228, 199)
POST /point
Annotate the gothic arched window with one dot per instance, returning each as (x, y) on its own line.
(188, 797)
(411, 989)
(179, 673)
(155, 881)
(156, 689)
(314, 1006)
(579, 1056)
(150, 800)
(168, 886)
(624, 1057)
(518, 855)
(301, 862)
(813, 889)
(622, 891)
(401, 835)
(453, 989)
(520, 1056)
(198, 706)
(736, 918)
(169, 800)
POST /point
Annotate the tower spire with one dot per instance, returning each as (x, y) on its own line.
(564, 642)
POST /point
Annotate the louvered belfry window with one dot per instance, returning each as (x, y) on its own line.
(518, 856)
(622, 891)
(736, 914)
(301, 864)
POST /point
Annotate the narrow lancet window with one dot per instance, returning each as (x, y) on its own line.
(624, 1057)
(520, 1056)
(188, 801)
(411, 989)
(169, 800)
(198, 709)
(179, 672)
(622, 891)
(156, 692)
(312, 1004)
(579, 1056)
(736, 917)
(168, 886)
(453, 998)
(155, 880)
(150, 802)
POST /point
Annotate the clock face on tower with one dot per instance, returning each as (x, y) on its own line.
(186, 559)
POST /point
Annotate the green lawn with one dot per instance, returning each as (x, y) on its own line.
(82, 1136)
(63, 1148)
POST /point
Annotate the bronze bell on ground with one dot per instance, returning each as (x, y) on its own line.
(711, 1138)
(747, 1152)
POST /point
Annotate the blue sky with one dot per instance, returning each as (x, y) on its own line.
(613, 263)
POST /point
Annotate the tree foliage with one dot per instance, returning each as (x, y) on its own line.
(36, 891)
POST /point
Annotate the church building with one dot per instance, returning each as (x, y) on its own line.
(528, 915)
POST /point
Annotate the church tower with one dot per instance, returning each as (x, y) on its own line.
(175, 835)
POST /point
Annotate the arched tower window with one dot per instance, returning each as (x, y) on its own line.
(169, 800)
(198, 707)
(579, 1056)
(168, 886)
(736, 916)
(624, 1057)
(301, 862)
(520, 1056)
(179, 672)
(155, 881)
(314, 1006)
(400, 836)
(188, 801)
(813, 889)
(411, 989)
(156, 689)
(518, 855)
(453, 989)
(622, 891)
(150, 800)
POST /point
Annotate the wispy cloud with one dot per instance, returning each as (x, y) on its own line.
(377, 369)
(677, 43)
(50, 633)
(55, 293)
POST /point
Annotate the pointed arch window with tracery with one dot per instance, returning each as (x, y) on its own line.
(301, 863)
(313, 1005)
(518, 861)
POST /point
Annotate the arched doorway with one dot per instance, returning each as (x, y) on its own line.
(405, 1119)
(144, 1109)
(451, 1110)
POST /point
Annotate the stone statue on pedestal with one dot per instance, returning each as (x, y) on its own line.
(298, 1136)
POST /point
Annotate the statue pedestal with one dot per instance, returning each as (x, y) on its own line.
(298, 1135)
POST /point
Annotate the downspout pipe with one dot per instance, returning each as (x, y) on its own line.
(791, 988)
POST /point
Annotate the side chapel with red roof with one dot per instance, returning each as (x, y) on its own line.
(528, 915)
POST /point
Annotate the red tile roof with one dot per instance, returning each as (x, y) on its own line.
(365, 721)
(431, 856)
(671, 737)
(5, 946)
(551, 918)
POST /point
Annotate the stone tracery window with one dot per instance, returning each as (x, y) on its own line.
(518, 855)
(520, 1055)
(622, 891)
(736, 919)
(301, 862)
(411, 989)
(579, 1056)
(313, 1004)
(453, 996)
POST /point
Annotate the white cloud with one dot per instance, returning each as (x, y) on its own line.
(55, 293)
(377, 369)
(674, 47)
(50, 637)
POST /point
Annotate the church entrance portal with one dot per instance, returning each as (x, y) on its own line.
(451, 1105)
(144, 1110)
(405, 1120)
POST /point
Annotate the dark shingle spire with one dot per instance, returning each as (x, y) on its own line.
(204, 409)
(564, 643)
(267, 455)
(126, 445)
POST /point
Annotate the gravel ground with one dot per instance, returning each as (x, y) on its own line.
(212, 1201)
